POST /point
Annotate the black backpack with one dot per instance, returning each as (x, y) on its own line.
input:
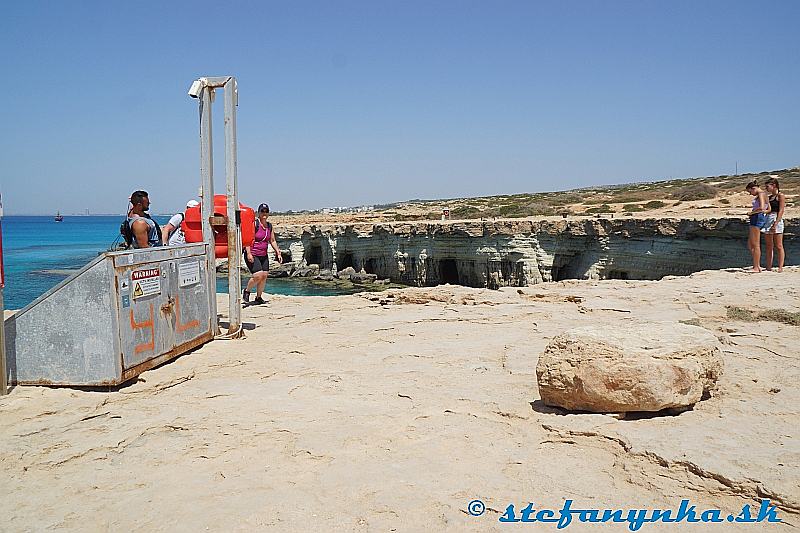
(127, 233)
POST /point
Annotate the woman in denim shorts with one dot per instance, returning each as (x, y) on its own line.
(758, 219)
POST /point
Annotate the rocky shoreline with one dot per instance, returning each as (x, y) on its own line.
(510, 252)
(523, 252)
(313, 272)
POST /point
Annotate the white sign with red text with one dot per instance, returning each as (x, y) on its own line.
(146, 282)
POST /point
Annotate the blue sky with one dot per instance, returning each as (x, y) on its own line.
(349, 103)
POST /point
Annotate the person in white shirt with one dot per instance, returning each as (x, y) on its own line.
(172, 232)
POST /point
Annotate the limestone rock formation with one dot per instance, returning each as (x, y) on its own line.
(363, 277)
(521, 252)
(345, 273)
(306, 272)
(281, 270)
(325, 275)
(642, 367)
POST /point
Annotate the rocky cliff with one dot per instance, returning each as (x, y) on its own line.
(523, 252)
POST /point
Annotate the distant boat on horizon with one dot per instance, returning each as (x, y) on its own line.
(59, 217)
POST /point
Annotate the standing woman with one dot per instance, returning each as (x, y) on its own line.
(257, 255)
(758, 219)
(773, 230)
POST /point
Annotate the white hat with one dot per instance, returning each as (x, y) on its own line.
(192, 203)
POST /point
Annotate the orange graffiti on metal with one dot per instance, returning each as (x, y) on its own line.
(146, 346)
(183, 327)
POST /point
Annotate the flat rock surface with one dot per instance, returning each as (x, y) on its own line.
(391, 411)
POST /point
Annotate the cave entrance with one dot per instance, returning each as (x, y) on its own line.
(314, 254)
(448, 271)
(344, 260)
(617, 274)
(369, 265)
(287, 257)
(567, 267)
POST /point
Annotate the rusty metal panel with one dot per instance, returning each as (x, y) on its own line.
(122, 314)
(163, 303)
(144, 309)
(66, 335)
(192, 315)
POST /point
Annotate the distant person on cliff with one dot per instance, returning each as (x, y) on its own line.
(758, 219)
(172, 233)
(143, 229)
(773, 230)
(257, 255)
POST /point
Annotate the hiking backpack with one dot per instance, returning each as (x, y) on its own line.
(127, 233)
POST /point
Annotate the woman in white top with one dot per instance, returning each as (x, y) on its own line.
(773, 230)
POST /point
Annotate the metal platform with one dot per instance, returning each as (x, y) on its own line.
(123, 313)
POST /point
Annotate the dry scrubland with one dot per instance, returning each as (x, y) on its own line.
(391, 411)
(713, 196)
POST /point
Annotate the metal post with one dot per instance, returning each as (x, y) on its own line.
(3, 376)
(207, 200)
(203, 89)
(234, 214)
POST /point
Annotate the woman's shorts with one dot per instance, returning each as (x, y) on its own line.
(759, 220)
(771, 226)
(260, 263)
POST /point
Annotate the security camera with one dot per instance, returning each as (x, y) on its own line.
(196, 88)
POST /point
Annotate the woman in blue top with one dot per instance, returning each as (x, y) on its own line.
(257, 255)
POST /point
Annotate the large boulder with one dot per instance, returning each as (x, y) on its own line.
(363, 277)
(280, 270)
(325, 275)
(345, 273)
(308, 271)
(638, 367)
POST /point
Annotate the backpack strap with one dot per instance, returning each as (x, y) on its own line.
(158, 228)
(269, 229)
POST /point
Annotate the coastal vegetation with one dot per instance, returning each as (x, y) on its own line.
(672, 197)
(695, 191)
(605, 208)
(771, 315)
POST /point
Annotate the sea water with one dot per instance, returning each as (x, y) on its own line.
(36, 248)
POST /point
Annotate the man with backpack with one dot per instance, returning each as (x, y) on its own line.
(139, 230)
(172, 233)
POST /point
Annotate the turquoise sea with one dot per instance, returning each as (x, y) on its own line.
(34, 246)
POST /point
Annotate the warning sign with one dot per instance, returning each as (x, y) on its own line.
(146, 282)
(188, 273)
